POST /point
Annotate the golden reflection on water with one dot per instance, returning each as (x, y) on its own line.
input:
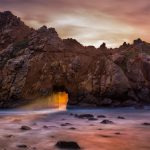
(56, 100)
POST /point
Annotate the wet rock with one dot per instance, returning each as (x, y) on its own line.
(146, 124)
(9, 136)
(85, 116)
(117, 133)
(105, 136)
(22, 146)
(67, 145)
(66, 124)
(107, 122)
(92, 119)
(120, 117)
(101, 116)
(45, 127)
(25, 128)
(72, 128)
(99, 129)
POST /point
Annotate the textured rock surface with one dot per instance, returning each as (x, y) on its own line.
(34, 64)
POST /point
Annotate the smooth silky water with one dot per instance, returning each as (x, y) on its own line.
(47, 119)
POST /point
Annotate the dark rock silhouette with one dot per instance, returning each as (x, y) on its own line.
(22, 146)
(120, 117)
(25, 128)
(107, 122)
(146, 124)
(67, 145)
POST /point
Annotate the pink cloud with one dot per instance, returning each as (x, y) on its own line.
(133, 13)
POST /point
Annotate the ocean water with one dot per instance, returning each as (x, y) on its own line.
(47, 127)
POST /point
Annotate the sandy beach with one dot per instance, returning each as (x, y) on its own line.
(47, 127)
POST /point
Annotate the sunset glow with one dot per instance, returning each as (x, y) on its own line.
(90, 22)
(58, 100)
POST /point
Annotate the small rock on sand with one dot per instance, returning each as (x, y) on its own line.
(117, 133)
(85, 116)
(101, 116)
(25, 128)
(107, 122)
(120, 117)
(105, 136)
(92, 119)
(9, 136)
(45, 127)
(66, 124)
(22, 146)
(67, 145)
(72, 128)
(146, 124)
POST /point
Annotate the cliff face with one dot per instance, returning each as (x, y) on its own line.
(34, 63)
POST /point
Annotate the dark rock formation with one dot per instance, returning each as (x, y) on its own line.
(25, 128)
(22, 146)
(103, 46)
(146, 124)
(12, 29)
(101, 116)
(120, 117)
(34, 63)
(85, 116)
(107, 122)
(67, 145)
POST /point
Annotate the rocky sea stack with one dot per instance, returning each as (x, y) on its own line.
(34, 63)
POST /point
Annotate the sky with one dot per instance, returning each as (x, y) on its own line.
(91, 22)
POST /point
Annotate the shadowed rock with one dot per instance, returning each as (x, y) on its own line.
(117, 133)
(120, 117)
(22, 146)
(85, 116)
(67, 145)
(72, 128)
(66, 124)
(146, 124)
(101, 116)
(105, 136)
(92, 119)
(99, 129)
(9, 136)
(45, 127)
(25, 128)
(107, 122)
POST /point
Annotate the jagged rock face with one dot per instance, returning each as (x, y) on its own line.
(32, 66)
(12, 29)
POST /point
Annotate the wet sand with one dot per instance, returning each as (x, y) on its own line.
(48, 127)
